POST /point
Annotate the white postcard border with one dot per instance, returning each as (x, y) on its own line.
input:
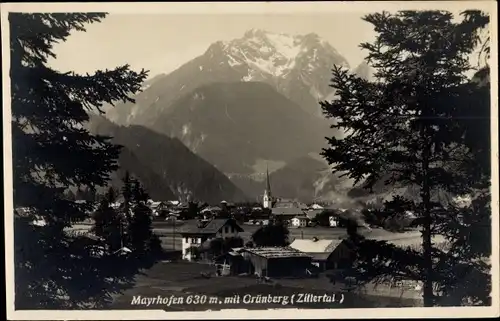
(319, 7)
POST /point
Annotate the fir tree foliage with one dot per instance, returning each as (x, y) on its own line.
(139, 234)
(53, 151)
(108, 225)
(417, 124)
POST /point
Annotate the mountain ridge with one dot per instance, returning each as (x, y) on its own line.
(298, 67)
(186, 175)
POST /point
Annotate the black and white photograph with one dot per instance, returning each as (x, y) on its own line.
(250, 160)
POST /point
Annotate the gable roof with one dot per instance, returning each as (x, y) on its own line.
(276, 252)
(312, 246)
(211, 209)
(212, 227)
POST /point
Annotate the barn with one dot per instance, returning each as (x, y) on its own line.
(326, 254)
(276, 261)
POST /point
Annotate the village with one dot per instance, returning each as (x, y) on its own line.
(216, 249)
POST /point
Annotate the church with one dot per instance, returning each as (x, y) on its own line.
(281, 207)
(267, 200)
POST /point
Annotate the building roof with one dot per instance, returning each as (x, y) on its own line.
(276, 252)
(210, 209)
(312, 246)
(212, 227)
(155, 204)
(282, 203)
(300, 218)
(293, 211)
(313, 213)
(320, 256)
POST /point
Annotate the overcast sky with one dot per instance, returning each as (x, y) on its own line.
(161, 43)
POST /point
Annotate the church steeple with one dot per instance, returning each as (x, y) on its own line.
(267, 201)
(268, 183)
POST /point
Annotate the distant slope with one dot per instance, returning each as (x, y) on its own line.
(237, 125)
(306, 179)
(157, 188)
(166, 165)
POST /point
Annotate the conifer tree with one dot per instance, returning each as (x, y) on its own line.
(51, 151)
(111, 195)
(407, 128)
(140, 236)
(127, 195)
(108, 226)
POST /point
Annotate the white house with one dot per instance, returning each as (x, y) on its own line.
(195, 236)
(299, 221)
(334, 221)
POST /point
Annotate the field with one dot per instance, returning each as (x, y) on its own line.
(183, 279)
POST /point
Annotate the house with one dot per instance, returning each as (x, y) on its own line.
(287, 213)
(195, 236)
(276, 261)
(173, 203)
(326, 254)
(333, 221)
(210, 211)
(156, 207)
(299, 221)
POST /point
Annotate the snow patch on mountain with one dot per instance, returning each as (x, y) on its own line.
(274, 54)
(286, 45)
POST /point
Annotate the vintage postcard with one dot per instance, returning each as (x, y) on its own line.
(247, 160)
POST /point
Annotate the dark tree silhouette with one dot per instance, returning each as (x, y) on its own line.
(410, 127)
(108, 225)
(51, 151)
(219, 246)
(141, 237)
(193, 211)
(111, 195)
(323, 218)
(271, 235)
(70, 195)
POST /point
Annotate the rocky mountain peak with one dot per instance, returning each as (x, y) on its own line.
(275, 54)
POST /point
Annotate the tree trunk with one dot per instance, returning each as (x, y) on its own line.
(428, 294)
